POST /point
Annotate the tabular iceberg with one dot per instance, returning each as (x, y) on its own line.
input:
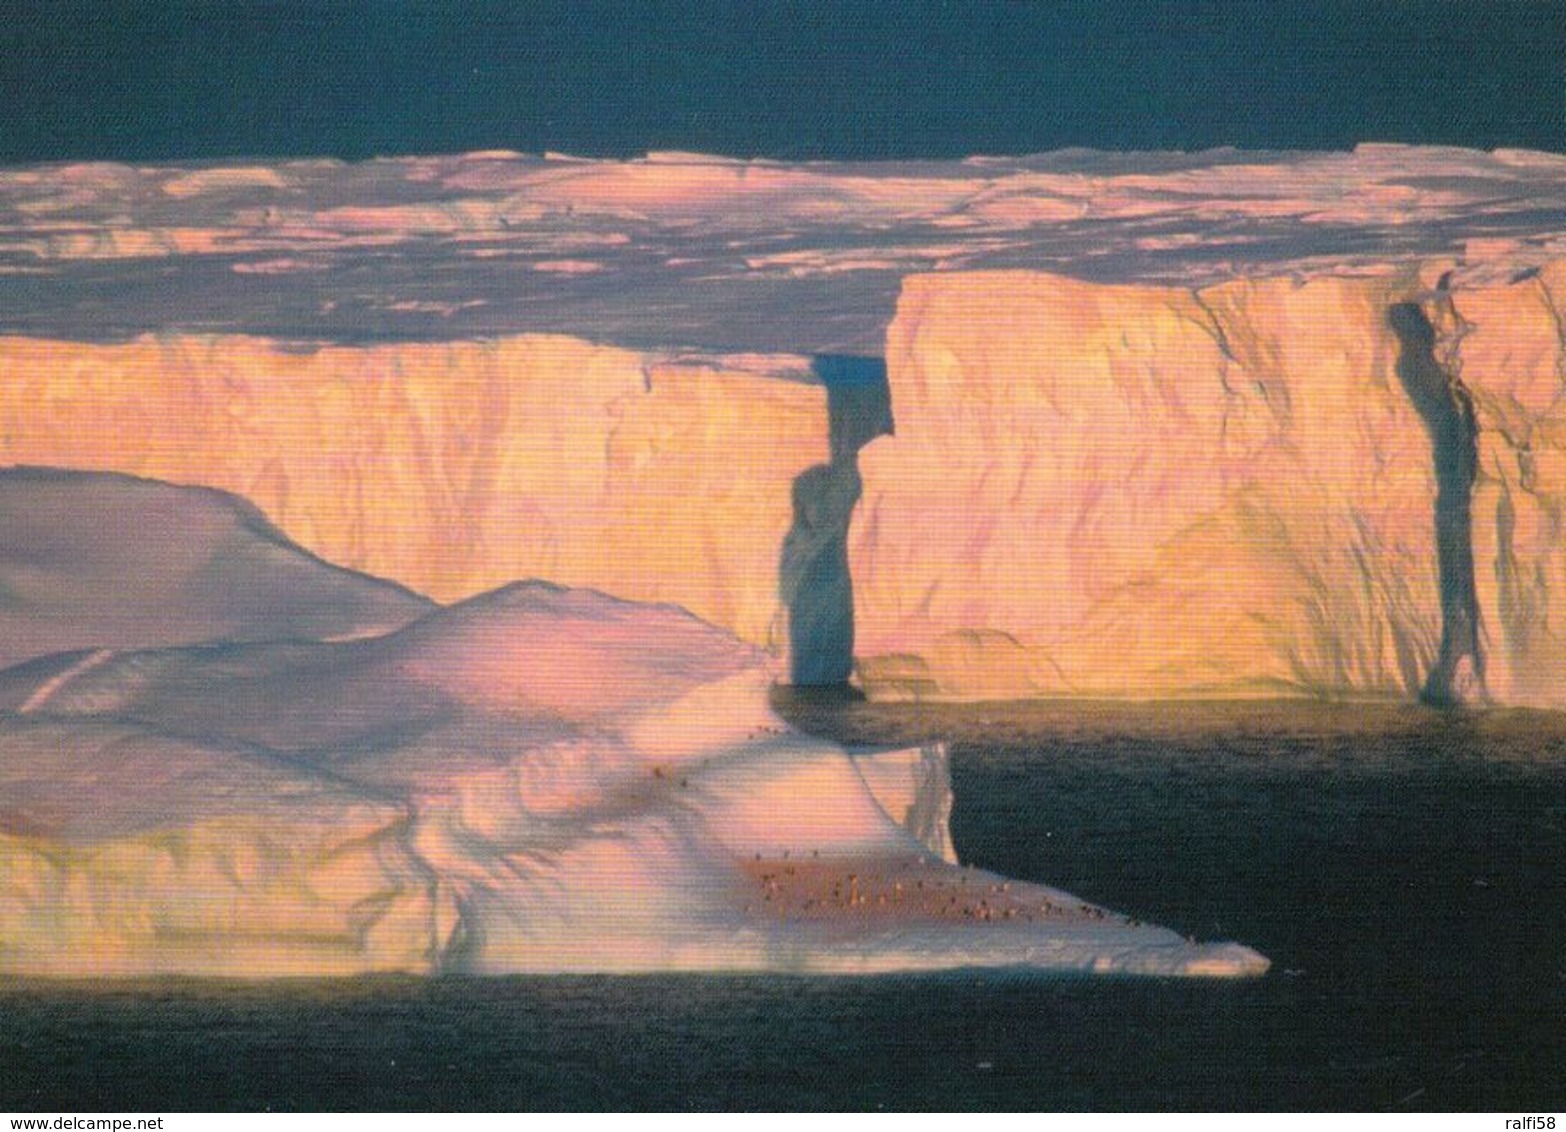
(1154, 424)
(1261, 487)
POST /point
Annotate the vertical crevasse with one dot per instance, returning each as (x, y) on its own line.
(1447, 409)
(814, 584)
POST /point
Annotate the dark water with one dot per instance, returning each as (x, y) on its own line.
(1406, 872)
(806, 79)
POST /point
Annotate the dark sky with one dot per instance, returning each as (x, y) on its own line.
(802, 79)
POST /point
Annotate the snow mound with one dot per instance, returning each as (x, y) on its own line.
(98, 560)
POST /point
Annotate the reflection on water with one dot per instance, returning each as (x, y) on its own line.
(1403, 869)
(1298, 728)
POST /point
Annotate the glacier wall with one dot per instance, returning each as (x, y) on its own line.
(454, 467)
(1130, 490)
(1145, 491)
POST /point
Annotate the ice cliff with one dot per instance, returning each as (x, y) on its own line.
(455, 467)
(535, 779)
(1080, 423)
(1328, 486)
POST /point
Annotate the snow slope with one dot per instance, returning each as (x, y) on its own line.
(107, 561)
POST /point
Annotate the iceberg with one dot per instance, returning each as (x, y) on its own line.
(535, 779)
(1152, 423)
(1332, 486)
